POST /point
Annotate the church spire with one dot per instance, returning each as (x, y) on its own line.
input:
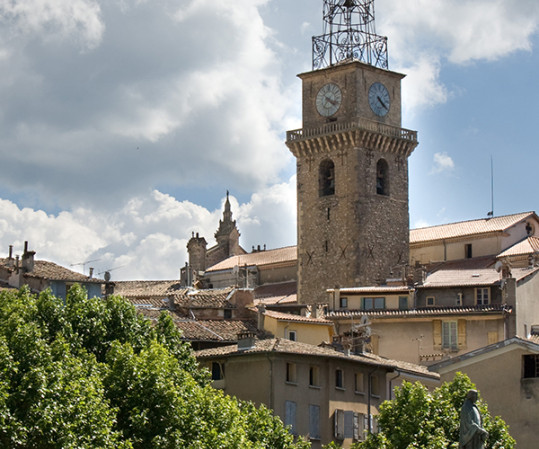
(227, 213)
(226, 225)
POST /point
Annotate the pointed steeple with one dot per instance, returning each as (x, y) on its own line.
(226, 225)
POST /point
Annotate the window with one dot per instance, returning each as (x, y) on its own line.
(482, 296)
(291, 372)
(314, 422)
(292, 335)
(290, 416)
(531, 366)
(449, 335)
(314, 376)
(339, 378)
(343, 302)
(359, 383)
(228, 314)
(348, 424)
(373, 303)
(382, 178)
(326, 178)
(468, 251)
(217, 371)
(403, 302)
(459, 299)
(431, 300)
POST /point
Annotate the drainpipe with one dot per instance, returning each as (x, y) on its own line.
(271, 402)
(390, 382)
(369, 394)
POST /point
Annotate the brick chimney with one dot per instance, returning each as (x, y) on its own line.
(27, 260)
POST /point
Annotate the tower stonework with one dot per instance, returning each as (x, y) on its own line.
(352, 177)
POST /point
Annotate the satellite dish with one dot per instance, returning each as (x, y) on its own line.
(107, 276)
(498, 266)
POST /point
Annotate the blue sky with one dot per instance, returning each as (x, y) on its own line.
(124, 122)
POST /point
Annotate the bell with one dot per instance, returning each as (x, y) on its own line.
(349, 3)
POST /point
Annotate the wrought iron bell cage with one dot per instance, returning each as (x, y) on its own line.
(349, 34)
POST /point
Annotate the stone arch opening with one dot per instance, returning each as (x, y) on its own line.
(382, 177)
(326, 178)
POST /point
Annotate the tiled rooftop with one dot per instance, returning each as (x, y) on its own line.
(280, 255)
(467, 228)
(496, 309)
(478, 271)
(44, 269)
(374, 289)
(214, 330)
(214, 298)
(280, 316)
(147, 288)
(529, 245)
(279, 345)
(280, 293)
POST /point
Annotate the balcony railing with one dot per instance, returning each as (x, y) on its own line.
(359, 124)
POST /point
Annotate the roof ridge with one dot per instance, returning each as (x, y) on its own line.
(473, 220)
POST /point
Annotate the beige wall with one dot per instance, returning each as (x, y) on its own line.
(261, 378)
(354, 300)
(454, 250)
(313, 334)
(413, 339)
(527, 305)
(499, 381)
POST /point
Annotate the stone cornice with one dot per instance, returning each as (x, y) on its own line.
(359, 133)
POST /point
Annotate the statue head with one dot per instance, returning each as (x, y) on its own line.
(472, 395)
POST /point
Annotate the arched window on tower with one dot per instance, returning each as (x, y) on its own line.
(326, 178)
(382, 177)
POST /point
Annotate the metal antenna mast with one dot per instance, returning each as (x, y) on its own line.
(349, 34)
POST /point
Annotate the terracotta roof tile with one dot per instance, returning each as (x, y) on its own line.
(529, 245)
(280, 255)
(419, 313)
(467, 228)
(214, 298)
(478, 271)
(279, 345)
(373, 289)
(147, 288)
(44, 269)
(280, 293)
(214, 330)
(280, 316)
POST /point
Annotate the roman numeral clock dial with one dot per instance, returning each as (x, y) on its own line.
(328, 100)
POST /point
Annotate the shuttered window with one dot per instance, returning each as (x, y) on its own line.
(314, 422)
(290, 416)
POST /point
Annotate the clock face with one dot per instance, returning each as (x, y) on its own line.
(328, 100)
(379, 100)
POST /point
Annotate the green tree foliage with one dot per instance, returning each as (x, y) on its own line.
(418, 418)
(92, 373)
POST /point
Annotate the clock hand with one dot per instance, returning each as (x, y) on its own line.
(329, 100)
(383, 104)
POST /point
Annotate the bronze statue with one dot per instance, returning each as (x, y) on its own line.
(472, 434)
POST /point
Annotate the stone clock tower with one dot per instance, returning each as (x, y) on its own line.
(352, 159)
